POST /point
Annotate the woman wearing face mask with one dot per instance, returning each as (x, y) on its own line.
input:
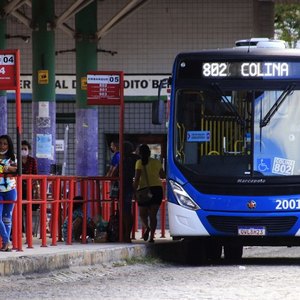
(29, 166)
(8, 190)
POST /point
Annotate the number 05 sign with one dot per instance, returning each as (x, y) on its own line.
(105, 88)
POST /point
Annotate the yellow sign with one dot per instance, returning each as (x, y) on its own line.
(43, 77)
(83, 83)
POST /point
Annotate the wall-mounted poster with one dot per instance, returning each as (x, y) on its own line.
(44, 146)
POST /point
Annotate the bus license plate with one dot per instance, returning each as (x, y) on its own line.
(252, 230)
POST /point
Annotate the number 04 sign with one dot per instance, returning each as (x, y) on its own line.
(8, 71)
(105, 88)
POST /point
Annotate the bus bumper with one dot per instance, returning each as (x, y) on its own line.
(184, 222)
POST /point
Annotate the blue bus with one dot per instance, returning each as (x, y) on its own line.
(233, 165)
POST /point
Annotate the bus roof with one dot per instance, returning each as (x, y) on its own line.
(275, 54)
(261, 43)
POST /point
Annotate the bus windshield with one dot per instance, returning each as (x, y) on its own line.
(237, 132)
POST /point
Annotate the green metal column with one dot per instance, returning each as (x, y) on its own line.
(86, 116)
(43, 83)
(3, 95)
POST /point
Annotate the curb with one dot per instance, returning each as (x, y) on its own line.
(37, 263)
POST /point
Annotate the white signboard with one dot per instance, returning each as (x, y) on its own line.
(59, 145)
(283, 166)
(134, 85)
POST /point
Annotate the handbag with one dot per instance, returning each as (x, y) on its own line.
(144, 196)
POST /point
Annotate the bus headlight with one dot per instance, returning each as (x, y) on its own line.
(182, 196)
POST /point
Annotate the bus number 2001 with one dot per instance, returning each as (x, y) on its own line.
(288, 204)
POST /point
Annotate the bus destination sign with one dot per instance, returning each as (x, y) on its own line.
(263, 70)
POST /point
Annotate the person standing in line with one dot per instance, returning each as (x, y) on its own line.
(113, 170)
(154, 169)
(8, 190)
(29, 166)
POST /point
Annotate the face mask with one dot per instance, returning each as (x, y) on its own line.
(24, 152)
(3, 152)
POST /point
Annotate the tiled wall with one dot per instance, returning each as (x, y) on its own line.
(147, 43)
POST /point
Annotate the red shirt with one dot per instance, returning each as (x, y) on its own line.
(30, 167)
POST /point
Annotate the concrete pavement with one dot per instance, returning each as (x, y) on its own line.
(45, 259)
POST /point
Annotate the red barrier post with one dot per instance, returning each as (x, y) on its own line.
(91, 185)
(60, 219)
(98, 198)
(70, 222)
(85, 204)
(44, 211)
(69, 205)
(106, 205)
(29, 212)
(54, 210)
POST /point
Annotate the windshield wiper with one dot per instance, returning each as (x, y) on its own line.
(264, 122)
(229, 105)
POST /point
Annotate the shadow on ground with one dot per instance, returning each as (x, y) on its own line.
(180, 252)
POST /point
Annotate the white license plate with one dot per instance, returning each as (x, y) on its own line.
(252, 230)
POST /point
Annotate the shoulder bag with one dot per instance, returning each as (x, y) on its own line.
(144, 196)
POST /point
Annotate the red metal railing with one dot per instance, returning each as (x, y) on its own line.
(56, 200)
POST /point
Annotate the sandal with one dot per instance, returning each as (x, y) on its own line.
(146, 234)
(5, 248)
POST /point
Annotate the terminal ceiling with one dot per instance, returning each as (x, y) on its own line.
(21, 10)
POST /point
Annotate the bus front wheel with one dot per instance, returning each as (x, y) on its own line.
(214, 251)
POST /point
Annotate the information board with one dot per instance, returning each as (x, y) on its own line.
(8, 78)
(105, 88)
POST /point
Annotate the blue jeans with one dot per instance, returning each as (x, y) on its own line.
(6, 214)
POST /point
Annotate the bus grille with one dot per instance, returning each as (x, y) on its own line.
(272, 224)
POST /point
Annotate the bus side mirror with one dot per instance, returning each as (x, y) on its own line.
(158, 106)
